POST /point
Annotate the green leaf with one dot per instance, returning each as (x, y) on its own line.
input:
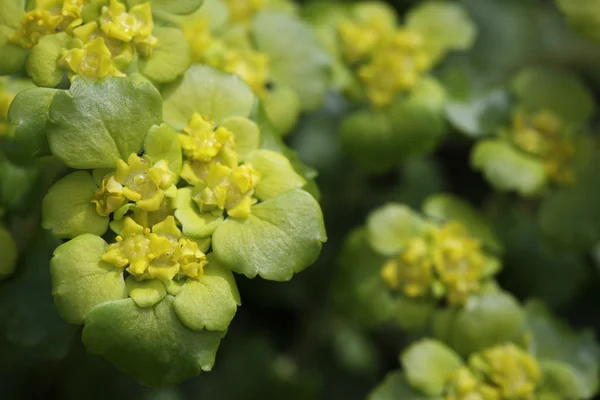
(8, 249)
(480, 116)
(582, 15)
(162, 143)
(555, 342)
(390, 227)
(395, 387)
(277, 174)
(443, 25)
(282, 105)
(14, 57)
(246, 134)
(100, 121)
(209, 302)
(81, 280)
(206, 91)
(67, 209)
(448, 207)
(145, 293)
(151, 345)
(169, 59)
(428, 364)
(193, 223)
(487, 320)
(282, 236)
(29, 112)
(42, 64)
(507, 169)
(11, 12)
(303, 66)
(542, 88)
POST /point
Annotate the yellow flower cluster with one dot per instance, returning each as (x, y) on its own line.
(543, 135)
(243, 10)
(388, 61)
(444, 262)
(238, 58)
(503, 372)
(212, 165)
(157, 253)
(99, 48)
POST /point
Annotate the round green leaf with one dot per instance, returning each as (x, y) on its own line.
(443, 25)
(554, 90)
(81, 280)
(507, 169)
(67, 209)
(246, 134)
(11, 12)
(303, 66)
(391, 226)
(8, 249)
(282, 235)
(42, 64)
(445, 207)
(282, 106)
(145, 293)
(98, 122)
(162, 143)
(206, 91)
(29, 113)
(395, 387)
(209, 302)
(428, 364)
(181, 7)
(193, 223)
(277, 175)
(486, 320)
(169, 59)
(151, 345)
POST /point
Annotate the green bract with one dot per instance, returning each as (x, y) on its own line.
(401, 265)
(187, 201)
(49, 38)
(252, 39)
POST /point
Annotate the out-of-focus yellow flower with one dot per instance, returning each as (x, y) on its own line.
(513, 371)
(463, 385)
(252, 66)
(243, 10)
(412, 270)
(94, 61)
(543, 135)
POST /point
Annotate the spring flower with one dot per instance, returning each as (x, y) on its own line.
(93, 61)
(464, 385)
(243, 10)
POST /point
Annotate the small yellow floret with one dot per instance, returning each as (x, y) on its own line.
(463, 385)
(252, 66)
(134, 26)
(203, 140)
(412, 270)
(93, 61)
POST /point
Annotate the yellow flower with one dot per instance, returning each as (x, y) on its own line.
(143, 182)
(513, 371)
(412, 270)
(463, 385)
(252, 66)
(197, 33)
(394, 68)
(160, 253)
(360, 39)
(243, 10)
(458, 261)
(202, 140)
(134, 26)
(543, 135)
(109, 197)
(93, 61)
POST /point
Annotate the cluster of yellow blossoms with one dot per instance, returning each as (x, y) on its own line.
(237, 57)
(501, 372)
(100, 47)
(212, 166)
(543, 135)
(443, 262)
(387, 61)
